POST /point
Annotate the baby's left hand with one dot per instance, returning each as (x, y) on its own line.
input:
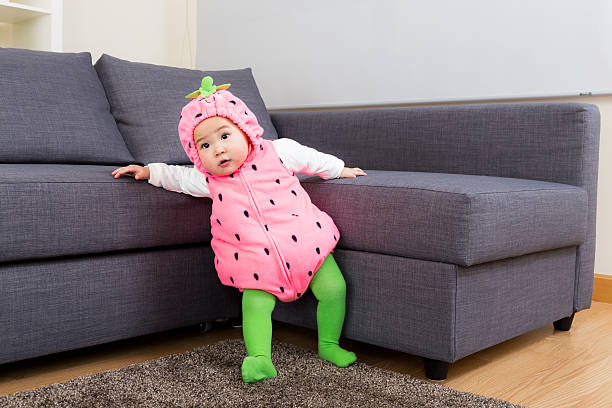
(352, 172)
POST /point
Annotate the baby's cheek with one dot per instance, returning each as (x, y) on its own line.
(204, 158)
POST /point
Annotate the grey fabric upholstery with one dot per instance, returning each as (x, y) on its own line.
(146, 100)
(452, 218)
(58, 210)
(500, 300)
(555, 142)
(60, 304)
(53, 110)
(444, 311)
(53, 210)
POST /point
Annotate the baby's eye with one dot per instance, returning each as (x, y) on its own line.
(224, 136)
(205, 146)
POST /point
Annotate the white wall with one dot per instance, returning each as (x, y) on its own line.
(153, 31)
(322, 53)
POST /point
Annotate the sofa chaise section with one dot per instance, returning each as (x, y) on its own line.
(509, 194)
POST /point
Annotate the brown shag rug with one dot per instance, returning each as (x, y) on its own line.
(210, 377)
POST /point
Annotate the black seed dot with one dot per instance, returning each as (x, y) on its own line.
(246, 213)
(288, 267)
(294, 193)
(272, 201)
(318, 251)
(237, 237)
(181, 117)
(309, 273)
(219, 222)
(267, 251)
(190, 145)
(335, 239)
(266, 228)
(260, 147)
(299, 294)
(282, 289)
(318, 224)
(246, 113)
(232, 175)
(198, 115)
(256, 276)
(236, 255)
(294, 238)
(281, 160)
(254, 167)
(232, 279)
(233, 102)
(294, 215)
(277, 181)
(207, 179)
(220, 197)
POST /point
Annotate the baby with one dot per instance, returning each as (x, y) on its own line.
(269, 240)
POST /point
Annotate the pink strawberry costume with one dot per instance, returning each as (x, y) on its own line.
(266, 232)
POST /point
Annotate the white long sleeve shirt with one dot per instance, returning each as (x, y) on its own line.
(296, 157)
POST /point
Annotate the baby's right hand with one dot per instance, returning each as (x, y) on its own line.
(140, 173)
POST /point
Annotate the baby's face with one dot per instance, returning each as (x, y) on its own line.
(222, 145)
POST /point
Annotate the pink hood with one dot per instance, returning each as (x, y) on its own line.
(221, 103)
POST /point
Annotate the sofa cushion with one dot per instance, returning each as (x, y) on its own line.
(53, 110)
(454, 218)
(54, 210)
(146, 100)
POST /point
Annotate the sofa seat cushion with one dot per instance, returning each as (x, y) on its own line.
(454, 218)
(55, 210)
(58, 210)
(53, 109)
(146, 100)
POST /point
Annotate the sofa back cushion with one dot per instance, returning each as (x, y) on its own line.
(53, 110)
(146, 101)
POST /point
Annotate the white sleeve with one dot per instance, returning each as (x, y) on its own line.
(181, 179)
(303, 159)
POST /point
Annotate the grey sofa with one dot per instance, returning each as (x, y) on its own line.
(475, 224)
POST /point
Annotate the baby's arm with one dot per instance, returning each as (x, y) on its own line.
(304, 159)
(174, 178)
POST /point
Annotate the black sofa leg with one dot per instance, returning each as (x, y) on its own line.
(236, 321)
(436, 369)
(564, 324)
(206, 326)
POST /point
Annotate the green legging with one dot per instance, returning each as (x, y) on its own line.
(329, 288)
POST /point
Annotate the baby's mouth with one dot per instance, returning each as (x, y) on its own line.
(224, 163)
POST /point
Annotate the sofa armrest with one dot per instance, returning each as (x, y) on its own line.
(556, 142)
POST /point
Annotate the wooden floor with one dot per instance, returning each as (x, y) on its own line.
(542, 368)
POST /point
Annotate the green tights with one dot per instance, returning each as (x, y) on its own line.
(329, 288)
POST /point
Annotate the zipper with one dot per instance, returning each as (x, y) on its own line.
(262, 224)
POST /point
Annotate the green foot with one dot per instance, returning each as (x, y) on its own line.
(337, 355)
(257, 368)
